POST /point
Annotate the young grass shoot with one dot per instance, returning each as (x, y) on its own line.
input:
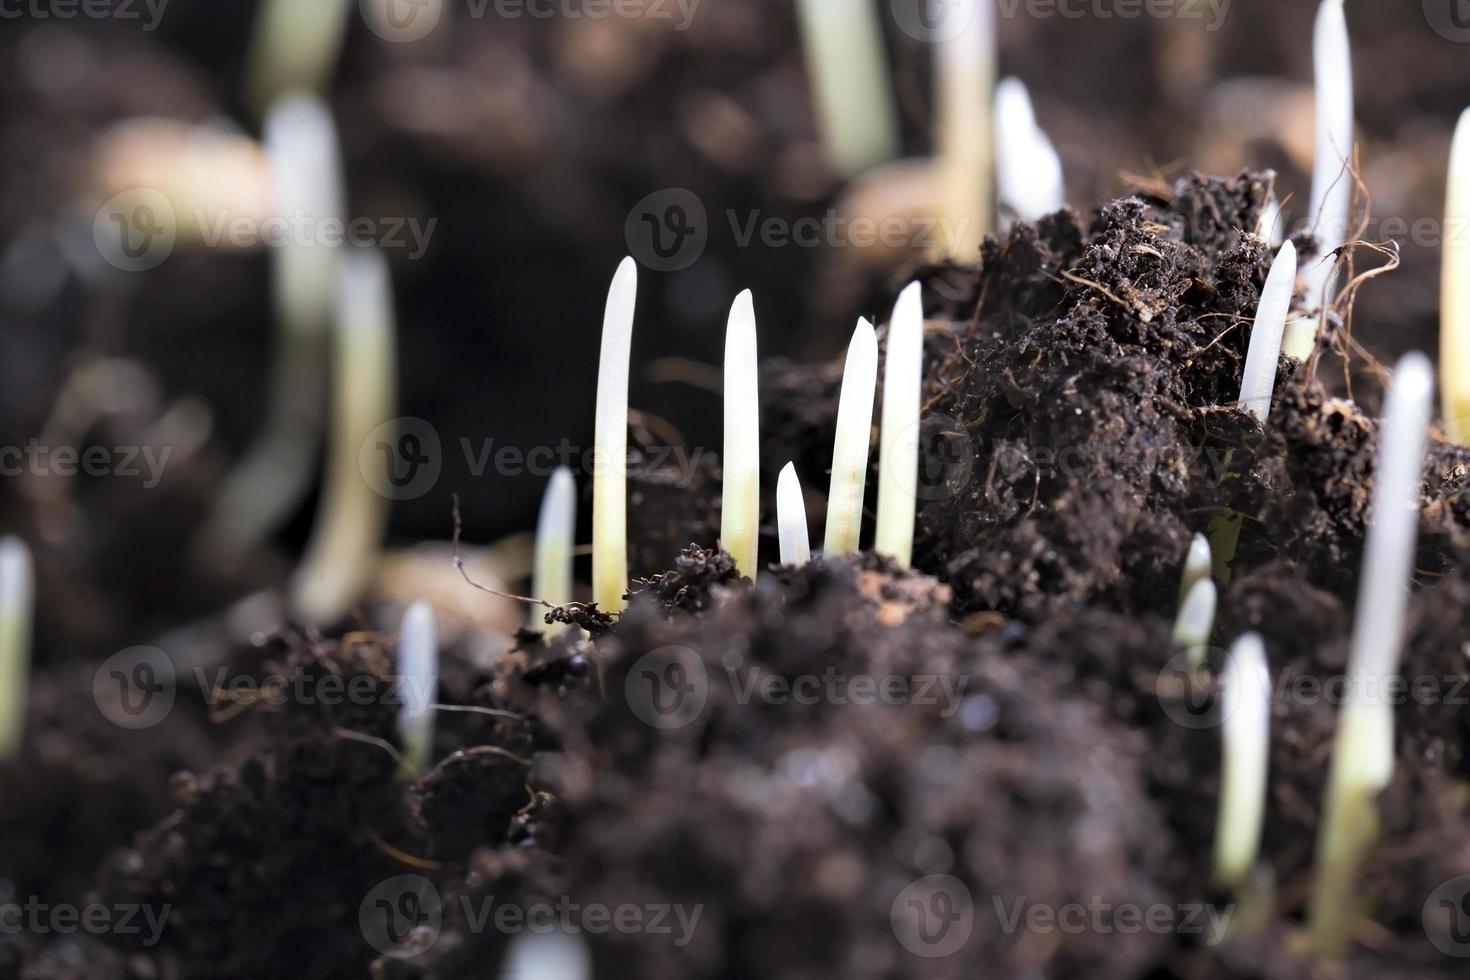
(17, 610)
(1454, 305)
(1363, 751)
(966, 81)
(418, 689)
(1195, 621)
(850, 446)
(1197, 565)
(898, 456)
(295, 46)
(610, 444)
(796, 548)
(1246, 747)
(740, 509)
(1028, 172)
(1258, 380)
(556, 533)
(843, 42)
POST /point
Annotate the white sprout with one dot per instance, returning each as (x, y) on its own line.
(850, 446)
(1363, 752)
(1332, 178)
(295, 46)
(352, 515)
(1195, 621)
(898, 456)
(1258, 379)
(556, 532)
(1028, 172)
(547, 956)
(275, 474)
(740, 508)
(1246, 747)
(843, 42)
(610, 444)
(1197, 564)
(17, 610)
(418, 688)
(963, 137)
(1454, 306)
(796, 546)
(1272, 225)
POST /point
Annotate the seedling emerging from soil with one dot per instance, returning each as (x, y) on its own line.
(796, 548)
(1246, 744)
(1332, 178)
(1454, 306)
(1195, 621)
(418, 686)
(1028, 172)
(17, 608)
(342, 554)
(295, 46)
(1197, 565)
(556, 532)
(966, 78)
(850, 447)
(610, 444)
(1259, 378)
(547, 956)
(274, 476)
(1363, 753)
(740, 508)
(1272, 226)
(843, 41)
(898, 456)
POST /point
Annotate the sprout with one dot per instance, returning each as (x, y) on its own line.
(295, 45)
(1195, 621)
(547, 956)
(1332, 182)
(796, 546)
(1028, 172)
(740, 509)
(843, 40)
(1454, 307)
(274, 476)
(1259, 377)
(17, 608)
(966, 77)
(1363, 753)
(1245, 744)
(898, 458)
(1272, 225)
(850, 447)
(610, 443)
(1197, 565)
(418, 686)
(352, 515)
(556, 532)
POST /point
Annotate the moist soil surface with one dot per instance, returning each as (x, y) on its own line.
(846, 769)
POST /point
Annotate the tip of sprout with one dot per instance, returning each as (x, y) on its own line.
(740, 497)
(1195, 621)
(1028, 172)
(1246, 745)
(610, 438)
(17, 599)
(851, 443)
(1258, 380)
(791, 526)
(898, 457)
(418, 680)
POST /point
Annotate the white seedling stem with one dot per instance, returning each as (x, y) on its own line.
(547, 956)
(966, 80)
(740, 508)
(1363, 753)
(275, 474)
(1258, 380)
(1332, 178)
(1454, 307)
(843, 41)
(1246, 747)
(898, 456)
(1195, 621)
(556, 532)
(1197, 565)
(295, 46)
(610, 444)
(796, 548)
(17, 610)
(341, 557)
(850, 447)
(1028, 172)
(418, 687)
